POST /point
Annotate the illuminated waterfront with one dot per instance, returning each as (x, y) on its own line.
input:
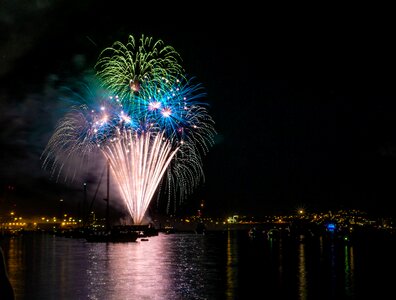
(218, 265)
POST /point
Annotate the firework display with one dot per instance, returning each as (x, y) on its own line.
(147, 119)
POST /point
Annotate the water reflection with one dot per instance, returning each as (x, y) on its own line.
(129, 271)
(97, 270)
(321, 248)
(276, 257)
(349, 269)
(232, 265)
(225, 265)
(333, 270)
(302, 272)
(165, 267)
(16, 264)
(197, 268)
(280, 268)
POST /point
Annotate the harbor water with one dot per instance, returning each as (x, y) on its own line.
(216, 265)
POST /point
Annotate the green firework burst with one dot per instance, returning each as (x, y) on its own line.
(123, 68)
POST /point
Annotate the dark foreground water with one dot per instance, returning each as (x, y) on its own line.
(222, 265)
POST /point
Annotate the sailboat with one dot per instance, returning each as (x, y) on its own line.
(113, 234)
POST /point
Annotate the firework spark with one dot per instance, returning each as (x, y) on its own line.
(179, 112)
(124, 68)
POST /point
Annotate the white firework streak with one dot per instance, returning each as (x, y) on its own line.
(138, 162)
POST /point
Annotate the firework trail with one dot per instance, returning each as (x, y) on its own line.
(155, 137)
(138, 162)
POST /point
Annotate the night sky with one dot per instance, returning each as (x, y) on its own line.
(305, 115)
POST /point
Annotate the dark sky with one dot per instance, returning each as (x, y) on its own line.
(305, 111)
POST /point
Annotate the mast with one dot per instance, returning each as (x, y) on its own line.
(107, 197)
(84, 206)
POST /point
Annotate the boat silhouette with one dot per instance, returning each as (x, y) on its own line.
(111, 234)
(117, 234)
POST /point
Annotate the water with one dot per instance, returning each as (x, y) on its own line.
(222, 265)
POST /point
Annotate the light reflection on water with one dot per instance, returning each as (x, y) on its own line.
(165, 267)
(126, 271)
(232, 266)
(224, 265)
(16, 264)
(302, 273)
(349, 271)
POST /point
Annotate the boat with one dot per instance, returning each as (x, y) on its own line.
(117, 234)
(112, 234)
(144, 230)
(201, 228)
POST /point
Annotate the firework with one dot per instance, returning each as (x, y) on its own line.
(179, 112)
(124, 68)
(164, 132)
(138, 162)
(147, 119)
